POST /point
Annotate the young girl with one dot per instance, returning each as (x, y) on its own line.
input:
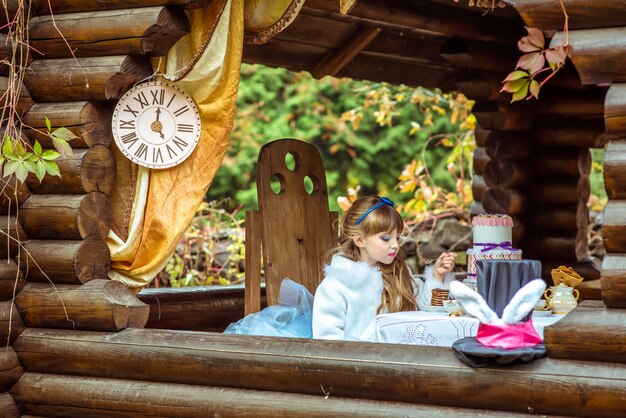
(368, 276)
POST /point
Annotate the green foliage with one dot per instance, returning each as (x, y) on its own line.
(211, 251)
(366, 132)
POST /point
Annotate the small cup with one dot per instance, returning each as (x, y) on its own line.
(540, 305)
(452, 307)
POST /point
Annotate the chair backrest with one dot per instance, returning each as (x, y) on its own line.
(293, 228)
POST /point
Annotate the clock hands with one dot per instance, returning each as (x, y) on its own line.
(157, 126)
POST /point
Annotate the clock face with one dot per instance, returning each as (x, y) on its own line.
(156, 125)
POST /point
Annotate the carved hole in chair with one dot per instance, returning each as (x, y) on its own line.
(277, 183)
(311, 184)
(292, 161)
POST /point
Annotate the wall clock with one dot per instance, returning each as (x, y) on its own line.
(156, 125)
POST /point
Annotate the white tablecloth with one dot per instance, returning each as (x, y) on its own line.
(434, 328)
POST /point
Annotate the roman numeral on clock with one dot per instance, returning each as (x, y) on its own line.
(184, 127)
(130, 124)
(129, 139)
(179, 143)
(156, 155)
(181, 110)
(142, 99)
(142, 151)
(158, 96)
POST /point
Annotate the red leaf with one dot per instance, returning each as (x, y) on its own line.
(556, 56)
(536, 37)
(532, 62)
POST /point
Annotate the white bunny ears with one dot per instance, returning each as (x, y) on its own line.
(515, 311)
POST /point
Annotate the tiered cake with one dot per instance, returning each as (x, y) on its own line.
(492, 240)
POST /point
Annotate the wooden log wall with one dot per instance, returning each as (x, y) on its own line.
(345, 369)
(597, 43)
(501, 173)
(57, 263)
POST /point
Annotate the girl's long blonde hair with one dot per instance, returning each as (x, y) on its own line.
(397, 286)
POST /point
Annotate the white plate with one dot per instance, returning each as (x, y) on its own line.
(542, 312)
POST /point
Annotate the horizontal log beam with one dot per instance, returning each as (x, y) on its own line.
(415, 374)
(561, 218)
(509, 145)
(7, 49)
(12, 194)
(67, 217)
(500, 172)
(481, 134)
(584, 104)
(480, 160)
(8, 10)
(504, 200)
(8, 408)
(597, 54)
(573, 246)
(591, 332)
(11, 236)
(561, 162)
(100, 78)
(201, 308)
(564, 191)
(88, 170)
(42, 7)
(10, 368)
(614, 226)
(479, 55)
(432, 19)
(59, 395)
(89, 121)
(24, 101)
(548, 15)
(337, 59)
(148, 30)
(11, 324)
(504, 117)
(613, 281)
(615, 110)
(615, 170)
(98, 305)
(65, 261)
(582, 134)
(11, 280)
(478, 187)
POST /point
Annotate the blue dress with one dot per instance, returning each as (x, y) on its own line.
(292, 317)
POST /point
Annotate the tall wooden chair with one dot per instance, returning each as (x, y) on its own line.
(293, 229)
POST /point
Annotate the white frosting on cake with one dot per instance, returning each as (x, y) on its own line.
(491, 229)
(490, 234)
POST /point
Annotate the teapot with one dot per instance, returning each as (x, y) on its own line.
(561, 299)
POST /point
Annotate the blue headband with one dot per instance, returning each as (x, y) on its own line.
(383, 201)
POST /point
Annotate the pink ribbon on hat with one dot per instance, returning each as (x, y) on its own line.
(508, 336)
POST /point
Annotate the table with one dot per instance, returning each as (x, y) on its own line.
(436, 328)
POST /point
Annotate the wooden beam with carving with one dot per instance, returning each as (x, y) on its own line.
(337, 59)
(149, 30)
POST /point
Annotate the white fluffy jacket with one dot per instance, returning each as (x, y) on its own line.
(346, 301)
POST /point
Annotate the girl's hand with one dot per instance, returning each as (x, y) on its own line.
(443, 265)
